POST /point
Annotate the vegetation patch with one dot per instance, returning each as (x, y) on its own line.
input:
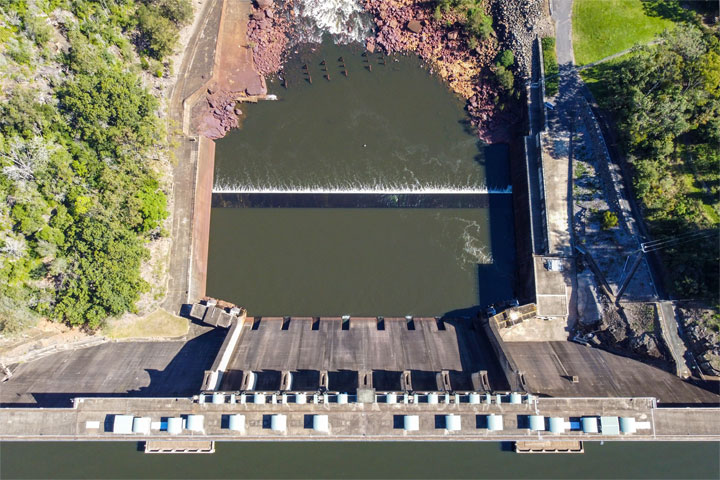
(666, 102)
(159, 324)
(550, 65)
(80, 144)
(604, 27)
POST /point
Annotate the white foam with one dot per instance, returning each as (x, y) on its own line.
(377, 189)
(345, 20)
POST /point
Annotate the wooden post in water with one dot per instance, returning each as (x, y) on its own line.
(345, 72)
(327, 75)
(309, 78)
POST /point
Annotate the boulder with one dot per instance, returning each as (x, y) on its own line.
(263, 4)
(414, 26)
(452, 35)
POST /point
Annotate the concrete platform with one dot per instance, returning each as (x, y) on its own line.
(548, 366)
(123, 368)
(267, 349)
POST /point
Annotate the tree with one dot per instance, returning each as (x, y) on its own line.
(159, 33)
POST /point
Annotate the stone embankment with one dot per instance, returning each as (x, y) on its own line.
(410, 26)
(517, 24)
(269, 30)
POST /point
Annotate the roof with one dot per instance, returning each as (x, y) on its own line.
(452, 422)
(141, 425)
(236, 422)
(494, 422)
(411, 422)
(320, 423)
(123, 424)
(278, 423)
(174, 425)
(537, 422)
(627, 425)
(195, 423)
(609, 426)
(589, 424)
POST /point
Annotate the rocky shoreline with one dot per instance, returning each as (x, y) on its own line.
(409, 26)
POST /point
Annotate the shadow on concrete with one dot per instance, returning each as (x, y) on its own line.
(113, 370)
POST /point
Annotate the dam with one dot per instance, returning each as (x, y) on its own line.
(426, 238)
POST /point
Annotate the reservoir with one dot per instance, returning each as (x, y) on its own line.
(378, 131)
(360, 460)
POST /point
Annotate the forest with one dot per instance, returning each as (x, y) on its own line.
(666, 101)
(80, 139)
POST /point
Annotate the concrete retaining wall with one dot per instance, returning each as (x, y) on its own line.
(510, 368)
(201, 218)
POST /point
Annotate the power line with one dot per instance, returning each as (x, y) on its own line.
(677, 240)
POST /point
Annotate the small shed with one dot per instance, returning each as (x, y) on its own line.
(609, 426)
(537, 423)
(411, 423)
(557, 425)
(300, 398)
(321, 424)
(488, 398)
(342, 398)
(141, 425)
(515, 398)
(195, 423)
(236, 422)
(218, 398)
(391, 398)
(278, 423)
(259, 399)
(452, 422)
(494, 422)
(627, 425)
(174, 425)
(432, 398)
(474, 399)
(589, 424)
(123, 424)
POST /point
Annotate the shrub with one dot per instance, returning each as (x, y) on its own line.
(505, 78)
(609, 220)
(505, 58)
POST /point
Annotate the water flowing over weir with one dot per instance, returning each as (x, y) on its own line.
(365, 193)
(344, 20)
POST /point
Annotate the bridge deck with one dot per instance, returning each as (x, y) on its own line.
(93, 420)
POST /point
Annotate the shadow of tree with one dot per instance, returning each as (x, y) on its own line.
(675, 10)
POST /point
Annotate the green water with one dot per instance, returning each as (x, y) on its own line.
(391, 262)
(393, 128)
(359, 460)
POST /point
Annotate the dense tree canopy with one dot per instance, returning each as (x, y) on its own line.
(79, 195)
(667, 101)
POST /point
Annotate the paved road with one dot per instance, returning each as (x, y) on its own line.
(562, 14)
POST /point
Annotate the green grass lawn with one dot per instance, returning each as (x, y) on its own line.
(604, 27)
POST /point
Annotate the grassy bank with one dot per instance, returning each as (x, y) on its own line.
(605, 27)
